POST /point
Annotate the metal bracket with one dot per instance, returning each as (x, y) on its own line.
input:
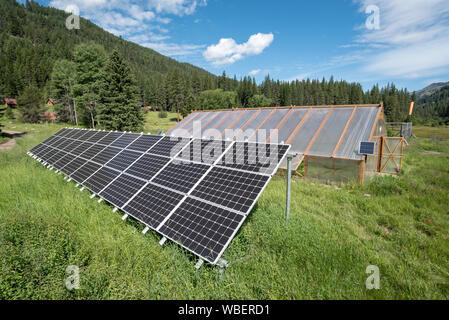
(125, 216)
(199, 264)
(222, 263)
(114, 210)
(290, 157)
(92, 196)
(100, 200)
(161, 243)
(145, 230)
(82, 189)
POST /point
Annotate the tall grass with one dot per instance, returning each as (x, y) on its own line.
(399, 224)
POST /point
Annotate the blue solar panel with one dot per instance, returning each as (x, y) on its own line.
(367, 148)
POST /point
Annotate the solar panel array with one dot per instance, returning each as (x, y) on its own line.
(196, 192)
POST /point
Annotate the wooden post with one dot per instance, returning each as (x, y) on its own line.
(362, 168)
(381, 150)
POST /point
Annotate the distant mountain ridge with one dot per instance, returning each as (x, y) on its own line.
(431, 89)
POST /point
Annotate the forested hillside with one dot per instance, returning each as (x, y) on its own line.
(434, 108)
(36, 46)
(33, 37)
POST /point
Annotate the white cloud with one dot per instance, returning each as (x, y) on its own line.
(254, 72)
(227, 51)
(413, 38)
(137, 13)
(177, 7)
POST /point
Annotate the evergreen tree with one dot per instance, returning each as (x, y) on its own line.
(62, 81)
(119, 96)
(2, 114)
(89, 62)
(31, 104)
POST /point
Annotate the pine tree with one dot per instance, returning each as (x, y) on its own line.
(2, 114)
(119, 96)
(62, 81)
(90, 60)
(31, 104)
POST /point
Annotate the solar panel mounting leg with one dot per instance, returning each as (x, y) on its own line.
(92, 196)
(199, 264)
(125, 216)
(289, 185)
(161, 243)
(114, 210)
(100, 200)
(82, 189)
(145, 230)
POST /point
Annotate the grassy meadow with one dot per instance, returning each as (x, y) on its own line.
(400, 224)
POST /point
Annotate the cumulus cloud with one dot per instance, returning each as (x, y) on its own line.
(228, 51)
(177, 7)
(254, 72)
(413, 39)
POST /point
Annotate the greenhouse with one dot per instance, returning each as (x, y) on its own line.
(325, 139)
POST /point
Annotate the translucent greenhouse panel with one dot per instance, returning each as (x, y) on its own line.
(331, 132)
(254, 124)
(202, 119)
(305, 134)
(331, 170)
(359, 130)
(186, 123)
(263, 133)
(230, 119)
(290, 124)
(244, 119)
(213, 121)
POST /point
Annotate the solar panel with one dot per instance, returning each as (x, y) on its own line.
(367, 147)
(101, 179)
(181, 176)
(153, 204)
(81, 148)
(169, 146)
(254, 157)
(92, 151)
(74, 165)
(230, 188)
(85, 171)
(144, 143)
(106, 154)
(147, 166)
(196, 192)
(202, 228)
(97, 137)
(125, 140)
(122, 189)
(205, 151)
(110, 138)
(124, 160)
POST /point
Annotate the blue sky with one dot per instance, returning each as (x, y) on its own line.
(403, 41)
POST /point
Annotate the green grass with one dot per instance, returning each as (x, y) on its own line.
(399, 224)
(154, 124)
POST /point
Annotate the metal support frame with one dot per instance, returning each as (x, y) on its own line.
(290, 157)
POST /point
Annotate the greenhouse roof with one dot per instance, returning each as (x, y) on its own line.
(323, 131)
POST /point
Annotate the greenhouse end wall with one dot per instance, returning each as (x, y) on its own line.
(332, 170)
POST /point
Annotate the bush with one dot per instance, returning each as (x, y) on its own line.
(163, 114)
